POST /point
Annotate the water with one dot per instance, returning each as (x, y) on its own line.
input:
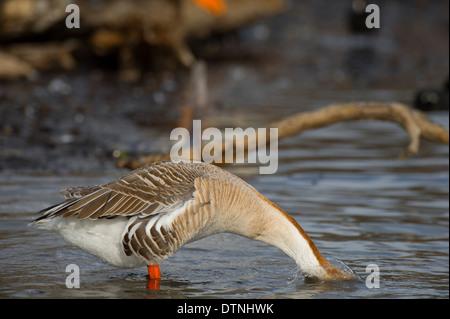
(359, 204)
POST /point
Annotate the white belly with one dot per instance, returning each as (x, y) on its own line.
(101, 238)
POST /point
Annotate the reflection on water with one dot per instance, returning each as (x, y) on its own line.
(343, 185)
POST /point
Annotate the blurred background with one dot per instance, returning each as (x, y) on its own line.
(134, 70)
(74, 102)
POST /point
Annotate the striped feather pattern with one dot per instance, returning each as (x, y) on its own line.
(146, 191)
(161, 200)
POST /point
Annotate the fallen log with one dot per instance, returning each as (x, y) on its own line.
(416, 123)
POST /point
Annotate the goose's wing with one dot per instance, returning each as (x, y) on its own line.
(78, 191)
(146, 191)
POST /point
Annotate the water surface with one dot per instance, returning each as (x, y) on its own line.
(343, 185)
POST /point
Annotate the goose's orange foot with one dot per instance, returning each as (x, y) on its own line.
(154, 273)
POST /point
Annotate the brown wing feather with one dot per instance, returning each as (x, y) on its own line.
(145, 191)
(78, 192)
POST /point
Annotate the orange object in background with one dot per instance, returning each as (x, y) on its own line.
(216, 7)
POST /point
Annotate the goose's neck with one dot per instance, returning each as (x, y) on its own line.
(270, 224)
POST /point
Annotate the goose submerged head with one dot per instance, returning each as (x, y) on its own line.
(334, 273)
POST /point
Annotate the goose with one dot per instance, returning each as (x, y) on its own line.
(148, 214)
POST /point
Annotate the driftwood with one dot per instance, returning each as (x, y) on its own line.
(416, 124)
(119, 26)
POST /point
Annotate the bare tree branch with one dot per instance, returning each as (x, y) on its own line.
(416, 123)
